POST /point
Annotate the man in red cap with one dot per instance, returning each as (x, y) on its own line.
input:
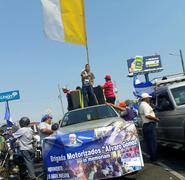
(109, 90)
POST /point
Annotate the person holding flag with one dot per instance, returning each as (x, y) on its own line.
(87, 86)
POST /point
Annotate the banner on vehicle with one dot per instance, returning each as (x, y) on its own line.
(93, 154)
(141, 65)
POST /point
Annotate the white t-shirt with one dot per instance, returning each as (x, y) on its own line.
(144, 110)
(44, 125)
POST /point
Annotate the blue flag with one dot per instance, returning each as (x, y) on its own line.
(141, 87)
(7, 116)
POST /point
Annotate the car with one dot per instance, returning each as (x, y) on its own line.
(92, 143)
(89, 118)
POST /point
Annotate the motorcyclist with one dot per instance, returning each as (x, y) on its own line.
(25, 139)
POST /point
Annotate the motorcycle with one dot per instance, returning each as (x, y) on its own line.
(11, 162)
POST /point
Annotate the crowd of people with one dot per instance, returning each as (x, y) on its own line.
(26, 140)
(146, 111)
(25, 135)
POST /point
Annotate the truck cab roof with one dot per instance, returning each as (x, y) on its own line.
(169, 80)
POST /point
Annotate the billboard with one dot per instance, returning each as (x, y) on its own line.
(142, 65)
(101, 153)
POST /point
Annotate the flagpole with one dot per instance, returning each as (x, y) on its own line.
(86, 44)
(87, 52)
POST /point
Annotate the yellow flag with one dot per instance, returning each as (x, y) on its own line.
(64, 20)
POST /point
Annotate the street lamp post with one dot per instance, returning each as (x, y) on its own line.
(182, 61)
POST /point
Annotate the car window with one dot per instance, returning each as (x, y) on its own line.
(164, 103)
(179, 95)
(88, 114)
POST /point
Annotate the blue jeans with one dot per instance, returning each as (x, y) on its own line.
(89, 96)
(149, 134)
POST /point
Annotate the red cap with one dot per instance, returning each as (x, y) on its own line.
(107, 77)
(122, 104)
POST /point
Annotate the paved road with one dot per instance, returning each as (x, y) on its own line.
(173, 158)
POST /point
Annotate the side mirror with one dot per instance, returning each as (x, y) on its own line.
(55, 127)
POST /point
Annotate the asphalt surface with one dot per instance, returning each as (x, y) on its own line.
(173, 158)
(171, 164)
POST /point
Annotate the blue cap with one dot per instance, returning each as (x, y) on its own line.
(46, 116)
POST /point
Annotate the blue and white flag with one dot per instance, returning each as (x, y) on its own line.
(141, 87)
(7, 116)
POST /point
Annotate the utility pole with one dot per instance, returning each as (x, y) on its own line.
(182, 61)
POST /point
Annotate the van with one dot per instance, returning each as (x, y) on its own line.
(170, 108)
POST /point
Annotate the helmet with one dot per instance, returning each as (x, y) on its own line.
(24, 121)
(122, 104)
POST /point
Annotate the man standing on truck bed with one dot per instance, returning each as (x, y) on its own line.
(87, 86)
(149, 125)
